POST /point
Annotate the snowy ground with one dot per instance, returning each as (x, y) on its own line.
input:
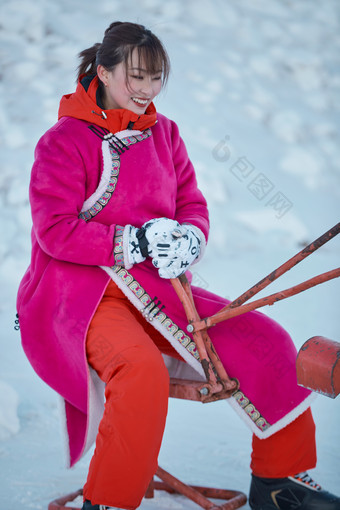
(255, 90)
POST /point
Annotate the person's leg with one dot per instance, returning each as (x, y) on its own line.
(279, 470)
(288, 452)
(137, 386)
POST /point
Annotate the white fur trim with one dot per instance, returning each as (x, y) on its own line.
(65, 436)
(94, 415)
(107, 165)
(104, 180)
(95, 408)
(288, 418)
(181, 370)
(196, 365)
(126, 235)
(127, 132)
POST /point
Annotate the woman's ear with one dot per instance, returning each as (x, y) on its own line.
(102, 74)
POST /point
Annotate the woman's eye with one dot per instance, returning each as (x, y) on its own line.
(140, 77)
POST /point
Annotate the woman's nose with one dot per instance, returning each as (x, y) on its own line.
(146, 86)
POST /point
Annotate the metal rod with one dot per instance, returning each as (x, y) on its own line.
(182, 488)
(218, 382)
(225, 314)
(235, 499)
(192, 316)
(311, 248)
(228, 385)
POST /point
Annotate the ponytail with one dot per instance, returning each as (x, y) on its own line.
(88, 58)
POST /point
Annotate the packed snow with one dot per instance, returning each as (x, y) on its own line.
(255, 90)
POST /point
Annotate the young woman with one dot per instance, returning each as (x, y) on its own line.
(117, 212)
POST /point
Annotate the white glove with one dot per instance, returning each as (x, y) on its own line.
(169, 268)
(172, 247)
(183, 252)
(154, 238)
(161, 236)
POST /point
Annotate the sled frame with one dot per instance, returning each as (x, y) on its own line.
(218, 384)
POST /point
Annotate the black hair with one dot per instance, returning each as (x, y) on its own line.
(120, 40)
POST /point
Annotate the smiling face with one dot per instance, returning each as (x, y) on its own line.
(133, 88)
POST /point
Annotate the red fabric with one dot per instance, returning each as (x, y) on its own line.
(119, 347)
(288, 452)
(82, 105)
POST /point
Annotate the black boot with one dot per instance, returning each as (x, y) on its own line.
(298, 492)
(87, 506)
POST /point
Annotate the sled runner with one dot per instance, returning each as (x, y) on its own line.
(318, 368)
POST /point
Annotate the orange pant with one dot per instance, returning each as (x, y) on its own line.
(120, 348)
(124, 349)
(288, 452)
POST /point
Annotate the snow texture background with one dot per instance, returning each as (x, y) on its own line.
(255, 90)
